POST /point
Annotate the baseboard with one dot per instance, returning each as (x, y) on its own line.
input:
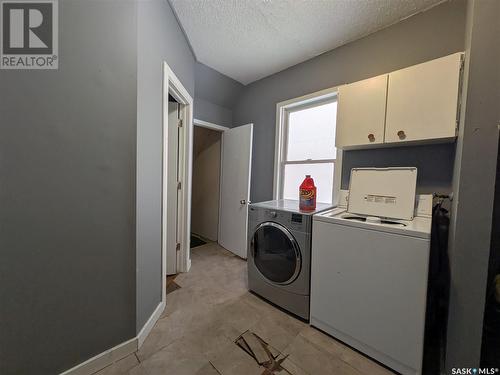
(110, 356)
(104, 359)
(144, 332)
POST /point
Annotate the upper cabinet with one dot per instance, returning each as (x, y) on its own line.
(422, 101)
(361, 112)
(417, 104)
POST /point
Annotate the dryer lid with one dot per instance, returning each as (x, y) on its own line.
(383, 192)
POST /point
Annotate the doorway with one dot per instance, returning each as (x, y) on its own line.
(174, 184)
(176, 173)
(221, 185)
(236, 154)
(205, 192)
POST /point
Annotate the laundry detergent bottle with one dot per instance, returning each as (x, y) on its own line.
(307, 194)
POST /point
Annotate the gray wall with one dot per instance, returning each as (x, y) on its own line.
(159, 39)
(428, 35)
(67, 195)
(434, 164)
(474, 184)
(216, 114)
(215, 96)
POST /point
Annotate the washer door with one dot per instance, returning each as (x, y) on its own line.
(275, 253)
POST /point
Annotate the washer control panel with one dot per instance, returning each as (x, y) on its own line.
(291, 220)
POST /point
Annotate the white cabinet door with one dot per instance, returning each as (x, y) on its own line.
(422, 101)
(361, 112)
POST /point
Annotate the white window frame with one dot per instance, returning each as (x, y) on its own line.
(282, 111)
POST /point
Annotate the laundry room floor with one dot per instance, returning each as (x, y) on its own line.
(211, 309)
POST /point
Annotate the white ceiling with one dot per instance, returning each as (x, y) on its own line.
(251, 39)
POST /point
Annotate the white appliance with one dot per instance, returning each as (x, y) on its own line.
(369, 267)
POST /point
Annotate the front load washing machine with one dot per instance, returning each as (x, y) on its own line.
(279, 253)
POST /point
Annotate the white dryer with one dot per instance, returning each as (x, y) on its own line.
(370, 266)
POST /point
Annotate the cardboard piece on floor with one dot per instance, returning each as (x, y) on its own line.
(260, 350)
(257, 346)
(243, 345)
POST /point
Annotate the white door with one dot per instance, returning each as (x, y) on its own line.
(361, 112)
(422, 101)
(235, 189)
(172, 187)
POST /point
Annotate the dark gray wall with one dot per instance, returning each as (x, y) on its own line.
(159, 39)
(216, 114)
(474, 184)
(435, 33)
(67, 195)
(216, 87)
(215, 96)
(434, 164)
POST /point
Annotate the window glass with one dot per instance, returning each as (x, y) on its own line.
(311, 133)
(322, 173)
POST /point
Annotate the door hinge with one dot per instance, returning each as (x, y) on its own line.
(179, 185)
(179, 124)
(177, 247)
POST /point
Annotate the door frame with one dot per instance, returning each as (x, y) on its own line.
(282, 109)
(173, 86)
(209, 125)
(221, 129)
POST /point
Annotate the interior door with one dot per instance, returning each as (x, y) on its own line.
(172, 186)
(235, 189)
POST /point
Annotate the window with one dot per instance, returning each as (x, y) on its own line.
(306, 146)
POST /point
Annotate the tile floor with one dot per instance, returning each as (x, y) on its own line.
(196, 332)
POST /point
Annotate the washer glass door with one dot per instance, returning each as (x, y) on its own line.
(276, 253)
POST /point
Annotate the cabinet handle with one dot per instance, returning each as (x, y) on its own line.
(371, 137)
(401, 135)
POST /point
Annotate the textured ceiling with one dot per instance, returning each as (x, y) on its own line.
(251, 39)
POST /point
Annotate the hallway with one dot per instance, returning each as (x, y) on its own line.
(211, 309)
